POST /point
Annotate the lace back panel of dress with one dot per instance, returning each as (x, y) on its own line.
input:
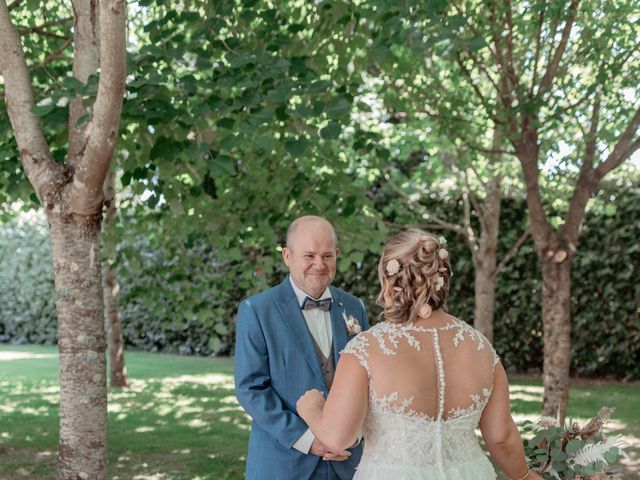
(442, 376)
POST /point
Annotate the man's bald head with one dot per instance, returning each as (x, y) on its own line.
(313, 221)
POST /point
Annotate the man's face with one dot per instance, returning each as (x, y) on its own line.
(311, 257)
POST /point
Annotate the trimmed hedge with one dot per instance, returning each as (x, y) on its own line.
(178, 298)
(27, 295)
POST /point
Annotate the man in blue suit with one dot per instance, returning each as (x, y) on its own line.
(288, 341)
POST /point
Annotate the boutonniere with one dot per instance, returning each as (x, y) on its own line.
(351, 322)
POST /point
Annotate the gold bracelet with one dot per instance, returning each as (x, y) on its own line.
(525, 476)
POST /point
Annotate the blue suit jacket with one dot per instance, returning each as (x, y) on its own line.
(275, 363)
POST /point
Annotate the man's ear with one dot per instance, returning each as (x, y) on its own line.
(337, 251)
(286, 255)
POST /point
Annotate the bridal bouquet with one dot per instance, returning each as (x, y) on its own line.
(570, 451)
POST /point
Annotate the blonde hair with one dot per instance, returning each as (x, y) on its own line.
(414, 269)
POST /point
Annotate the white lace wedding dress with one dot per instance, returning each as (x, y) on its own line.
(427, 389)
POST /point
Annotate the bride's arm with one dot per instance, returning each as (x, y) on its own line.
(338, 421)
(500, 433)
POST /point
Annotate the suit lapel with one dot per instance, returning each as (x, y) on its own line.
(287, 304)
(338, 327)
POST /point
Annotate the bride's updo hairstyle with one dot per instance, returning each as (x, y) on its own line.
(414, 271)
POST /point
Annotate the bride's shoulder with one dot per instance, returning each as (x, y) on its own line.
(463, 331)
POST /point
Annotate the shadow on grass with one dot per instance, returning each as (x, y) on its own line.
(174, 425)
(180, 420)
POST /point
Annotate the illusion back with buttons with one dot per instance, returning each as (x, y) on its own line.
(428, 386)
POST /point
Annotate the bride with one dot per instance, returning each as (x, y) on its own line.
(417, 384)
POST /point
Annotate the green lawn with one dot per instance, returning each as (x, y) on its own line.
(180, 419)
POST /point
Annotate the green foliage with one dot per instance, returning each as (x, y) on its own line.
(174, 296)
(178, 295)
(27, 298)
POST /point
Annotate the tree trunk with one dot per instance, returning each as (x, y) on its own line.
(485, 260)
(111, 287)
(75, 242)
(485, 296)
(556, 319)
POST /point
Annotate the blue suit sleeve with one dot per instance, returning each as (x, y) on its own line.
(253, 382)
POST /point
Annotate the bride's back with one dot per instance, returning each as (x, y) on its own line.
(437, 369)
(428, 384)
(430, 375)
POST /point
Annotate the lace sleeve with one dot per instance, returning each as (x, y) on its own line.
(357, 347)
(494, 354)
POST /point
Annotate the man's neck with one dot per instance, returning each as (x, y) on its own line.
(311, 295)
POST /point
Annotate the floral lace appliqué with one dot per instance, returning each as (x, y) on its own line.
(389, 403)
(394, 333)
(357, 347)
(479, 402)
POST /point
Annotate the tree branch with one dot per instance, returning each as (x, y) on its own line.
(541, 230)
(39, 167)
(42, 28)
(554, 63)
(482, 68)
(57, 54)
(511, 68)
(585, 185)
(467, 73)
(15, 4)
(623, 149)
(495, 151)
(469, 235)
(103, 129)
(534, 77)
(512, 251)
(453, 118)
(86, 60)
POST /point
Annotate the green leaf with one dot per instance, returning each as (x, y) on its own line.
(82, 120)
(296, 148)
(338, 107)
(573, 446)
(612, 454)
(165, 148)
(558, 455)
(331, 131)
(224, 165)
(226, 122)
(214, 344)
(264, 142)
(230, 141)
(42, 110)
(476, 43)
(221, 329)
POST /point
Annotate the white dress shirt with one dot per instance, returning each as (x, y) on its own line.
(319, 323)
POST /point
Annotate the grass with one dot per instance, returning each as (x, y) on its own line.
(180, 420)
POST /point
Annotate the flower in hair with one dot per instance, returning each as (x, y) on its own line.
(439, 283)
(425, 311)
(393, 266)
(443, 254)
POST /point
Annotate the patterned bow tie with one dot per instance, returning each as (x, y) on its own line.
(323, 304)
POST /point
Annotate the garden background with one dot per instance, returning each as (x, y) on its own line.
(179, 140)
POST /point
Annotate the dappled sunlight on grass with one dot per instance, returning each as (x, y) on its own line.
(11, 355)
(180, 420)
(526, 393)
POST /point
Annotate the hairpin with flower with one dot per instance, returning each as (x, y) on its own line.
(393, 267)
(443, 255)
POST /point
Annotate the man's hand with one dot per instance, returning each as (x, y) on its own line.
(320, 450)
